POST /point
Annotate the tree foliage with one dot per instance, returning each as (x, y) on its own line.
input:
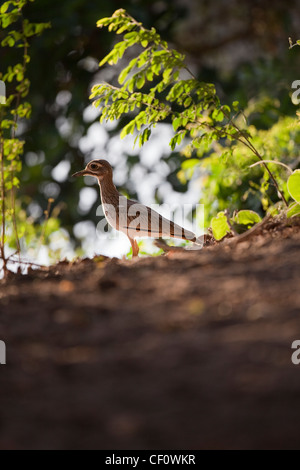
(18, 30)
(152, 86)
(192, 106)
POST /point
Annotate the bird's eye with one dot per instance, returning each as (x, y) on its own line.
(94, 166)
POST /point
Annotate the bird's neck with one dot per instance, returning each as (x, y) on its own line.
(108, 191)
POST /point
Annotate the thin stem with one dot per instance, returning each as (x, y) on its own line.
(226, 212)
(249, 144)
(269, 172)
(12, 173)
(26, 263)
(291, 43)
(190, 72)
(47, 214)
(13, 206)
(275, 162)
(2, 206)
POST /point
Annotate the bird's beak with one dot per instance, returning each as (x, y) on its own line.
(80, 173)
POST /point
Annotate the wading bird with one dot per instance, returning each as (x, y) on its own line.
(130, 217)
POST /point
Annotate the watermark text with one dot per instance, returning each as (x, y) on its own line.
(2, 352)
(296, 94)
(296, 354)
(2, 92)
(139, 221)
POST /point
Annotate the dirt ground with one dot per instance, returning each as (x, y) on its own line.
(190, 350)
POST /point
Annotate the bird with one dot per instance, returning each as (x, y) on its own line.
(128, 216)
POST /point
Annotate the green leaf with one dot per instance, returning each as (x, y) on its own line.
(10, 18)
(226, 109)
(219, 226)
(8, 41)
(144, 136)
(103, 22)
(131, 35)
(128, 129)
(149, 75)
(122, 29)
(187, 102)
(123, 76)
(217, 115)
(7, 123)
(293, 210)
(16, 182)
(140, 82)
(177, 139)
(177, 123)
(189, 163)
(293, 185)
(108, 58)
(246, 217)
(4, 7)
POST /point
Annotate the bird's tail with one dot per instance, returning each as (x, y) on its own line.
(198, 242)
(176, 231)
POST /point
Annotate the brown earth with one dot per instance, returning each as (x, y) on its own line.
(189, 350)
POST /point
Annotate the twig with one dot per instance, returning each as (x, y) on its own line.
(272, 161)
(226, 212)
(291, 43)
(47, 214)
(27, 263)
(245, 235)
(2, 189)
(13, 135)
(246, 141)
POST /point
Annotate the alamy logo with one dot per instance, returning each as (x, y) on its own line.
(2, 353)
(2, 92)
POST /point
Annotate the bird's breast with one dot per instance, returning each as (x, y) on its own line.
(111, 214)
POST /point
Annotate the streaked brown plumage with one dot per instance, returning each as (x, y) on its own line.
(127, 216)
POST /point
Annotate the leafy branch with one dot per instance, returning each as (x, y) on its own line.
(17, 31)
(154, 88)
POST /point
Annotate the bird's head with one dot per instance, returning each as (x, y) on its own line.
(97, 168)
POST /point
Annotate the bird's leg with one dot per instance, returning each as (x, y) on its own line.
(135, 247)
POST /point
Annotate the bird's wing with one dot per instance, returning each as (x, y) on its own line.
(142, 221)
